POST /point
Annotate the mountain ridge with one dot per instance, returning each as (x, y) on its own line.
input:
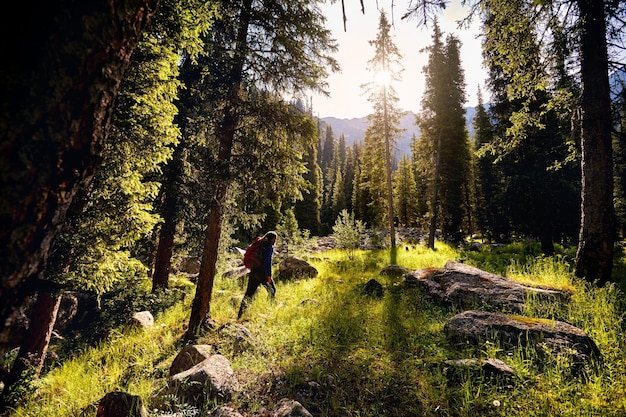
(354, 128)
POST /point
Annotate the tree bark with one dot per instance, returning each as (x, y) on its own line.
(594, 257)
(434, 209)
(165, 247)
(34, 347)
(201, 307)
(67, 61)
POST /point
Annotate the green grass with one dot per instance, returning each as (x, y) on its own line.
(341, 353)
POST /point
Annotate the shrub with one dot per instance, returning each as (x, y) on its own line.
(347, 230)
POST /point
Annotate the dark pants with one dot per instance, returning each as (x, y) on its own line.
(256, 278)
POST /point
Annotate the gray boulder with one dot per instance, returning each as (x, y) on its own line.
(211, 380)
(373, 288)
(238, 272)
(142, 319)
(512, 331)
(293, 268)
(241, 338)
(468, 287)
(190, 356)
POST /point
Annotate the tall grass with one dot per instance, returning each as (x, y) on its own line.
(340, 352)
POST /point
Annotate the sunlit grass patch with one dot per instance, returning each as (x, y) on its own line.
(126, 361)
(543, 272)
(341, 352)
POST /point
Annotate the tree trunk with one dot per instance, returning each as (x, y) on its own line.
(165, 247)
(201, 307)
(33, 349)
(391, 213)
(435, 200)
(594, 257)
(67, 61)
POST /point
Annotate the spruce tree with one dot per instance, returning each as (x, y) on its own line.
(538, 188)
(442, 126)
(307, 210)
(591, 23)
(405, 194)
(382, 129)
(255, 53)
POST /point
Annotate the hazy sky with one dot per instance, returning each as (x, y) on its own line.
(348, 99)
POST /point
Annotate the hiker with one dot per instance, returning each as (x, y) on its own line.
(262, 274)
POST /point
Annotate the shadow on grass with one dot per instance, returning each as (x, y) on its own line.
(373, 356)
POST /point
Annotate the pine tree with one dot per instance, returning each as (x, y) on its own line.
(442, 125)
(594, 21)
(405, 194)
(488, 179)
(255, 53)
(59, 89)
(307, 210)
(329, 150)
(538, 186)
(421, 163)
(382, 127)
(97, 246)
(349, 174)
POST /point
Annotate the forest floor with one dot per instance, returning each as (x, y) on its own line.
(341, 353)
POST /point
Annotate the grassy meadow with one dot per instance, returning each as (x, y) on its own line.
(342, 353)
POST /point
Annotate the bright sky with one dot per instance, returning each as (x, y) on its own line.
(347, 98)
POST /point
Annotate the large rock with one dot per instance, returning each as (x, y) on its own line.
(143, 319)
(238, 272)
(241, 338)
(211, 380)
(292, 268)
(468, 287)
(121, 404)
(78, 311)
(373, 288)
(514, 331)
(190, 356)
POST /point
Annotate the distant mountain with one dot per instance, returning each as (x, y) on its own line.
(354, 129)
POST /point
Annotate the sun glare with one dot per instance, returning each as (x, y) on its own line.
(383, 78)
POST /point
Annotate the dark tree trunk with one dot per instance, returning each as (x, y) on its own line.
(67, 59)
(163, 257)
(34, 346)
(434, 208)
(594, 258)
(165, 247)
(201, 307)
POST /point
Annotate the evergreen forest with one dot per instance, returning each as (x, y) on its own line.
(146, 143)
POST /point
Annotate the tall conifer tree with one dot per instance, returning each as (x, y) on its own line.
(256, 51)
(442, 125)
(382, 128)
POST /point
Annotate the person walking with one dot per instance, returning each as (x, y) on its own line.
(261, 275)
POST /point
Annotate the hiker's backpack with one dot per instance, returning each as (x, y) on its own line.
(253, 257)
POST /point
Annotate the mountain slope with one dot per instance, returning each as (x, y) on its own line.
(354, 129)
